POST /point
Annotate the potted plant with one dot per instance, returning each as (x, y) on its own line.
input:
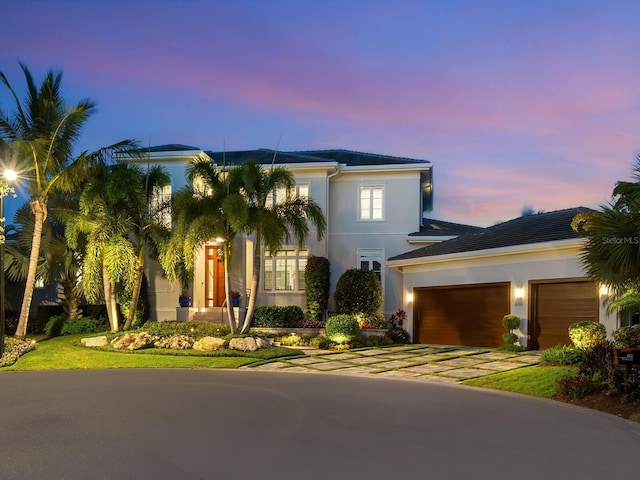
(235, 298)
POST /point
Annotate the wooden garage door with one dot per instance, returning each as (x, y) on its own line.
(461, 315)
(555, 306)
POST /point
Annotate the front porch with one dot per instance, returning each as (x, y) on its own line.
(208, 314)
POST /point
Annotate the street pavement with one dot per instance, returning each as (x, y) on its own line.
(252, 424)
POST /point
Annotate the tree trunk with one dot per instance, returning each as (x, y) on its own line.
(39, 210)
(135, 294)
(71, 301)
(255, 280)
(110, 298)
(227, 289)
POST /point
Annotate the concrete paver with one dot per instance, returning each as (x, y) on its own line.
(500, 366)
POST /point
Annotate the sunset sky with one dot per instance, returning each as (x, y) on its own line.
(523, 102)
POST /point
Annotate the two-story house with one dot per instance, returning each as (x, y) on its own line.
(374, 206)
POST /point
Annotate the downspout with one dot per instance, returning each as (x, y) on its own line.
(326, 238)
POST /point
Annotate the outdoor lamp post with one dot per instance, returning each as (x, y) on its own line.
(9, 176)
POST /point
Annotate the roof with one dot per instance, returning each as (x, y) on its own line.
(266, 156)
(529, 229)
(439, 228)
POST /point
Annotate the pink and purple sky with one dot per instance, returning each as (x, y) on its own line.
(515, 103)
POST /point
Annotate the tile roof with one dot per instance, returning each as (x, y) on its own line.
(440, 228)
(530, 229)
(351, 158)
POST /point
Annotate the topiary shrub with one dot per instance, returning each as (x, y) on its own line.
(511, 322)
(587, 334)
(626, 337)
(509, 338)
(317, 277)
(358, 291)
(342, 328)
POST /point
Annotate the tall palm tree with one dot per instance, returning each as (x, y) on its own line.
(273, 224)
(611, 254)
(41, 135)
(206, 208)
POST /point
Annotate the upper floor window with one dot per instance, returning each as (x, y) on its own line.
(282, 194)
(371, 259)
(371, 202)
(160, 207)
(284, 270)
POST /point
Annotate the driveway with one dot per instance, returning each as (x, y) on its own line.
(198, 424)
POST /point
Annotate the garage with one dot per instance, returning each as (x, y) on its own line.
(557, 304)
(461, 315)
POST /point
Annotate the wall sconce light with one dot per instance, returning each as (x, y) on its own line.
(409, 297)
(519, 296)
(604, 290)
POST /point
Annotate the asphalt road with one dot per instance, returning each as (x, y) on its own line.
(197, 424)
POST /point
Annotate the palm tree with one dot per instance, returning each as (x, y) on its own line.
(272, 224)
(611, 254)
(206, 208)
(57, 262)
(41, 135)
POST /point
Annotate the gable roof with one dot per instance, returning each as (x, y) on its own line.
(538, 228)
(439, 228)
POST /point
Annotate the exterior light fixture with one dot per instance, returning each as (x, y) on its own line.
(409, 297)
(9, 176)
(518, 294)
(604, 290)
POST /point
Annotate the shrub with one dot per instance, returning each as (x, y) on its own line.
(598, 360)
(14, 349)
(317, 276)
(311, 324)
(342, 328)
(290, 340)
(398, 335)
(195, 330)
(11, 321)
(358, 291)
(574, 386)
(44, 313)
(397, 318)
(509, 338)
(273, 316)
(511, 322)
(626, 337)
(373, 320)
(587, 334)
(562, 355)
(72, 326)
(54, 326)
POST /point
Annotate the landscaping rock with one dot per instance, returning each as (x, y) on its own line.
(95, 341)
(247, 344)
(176, 342)
(208, 344)
(132, 341)
(262, 342)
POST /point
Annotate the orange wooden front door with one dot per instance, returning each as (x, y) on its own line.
(214, 293)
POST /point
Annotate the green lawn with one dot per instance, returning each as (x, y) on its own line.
(64, 353)
(539, 380)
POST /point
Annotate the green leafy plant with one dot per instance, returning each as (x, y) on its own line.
(53, 328)
(562, 355)
(273, 316)
(626, 337)
(587, 334)
(398, 335)
(509, 338)
(317, 277)
(510, 322)
(194, 330)
(373, 320)
(575, 386)
(358, 291)
(342, 328)
(73, 326)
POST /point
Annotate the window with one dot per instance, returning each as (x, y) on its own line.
(284, 270)
(160, 207)
(371, 203)
(371, 259)
(281, 194)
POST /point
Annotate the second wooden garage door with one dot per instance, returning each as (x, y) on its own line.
(555, 306)
(461, 315)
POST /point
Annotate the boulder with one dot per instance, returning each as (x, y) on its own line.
(132, 341)
(208, 344)
(262, 342)
(95, 341)
(175, 342)
(246, 344)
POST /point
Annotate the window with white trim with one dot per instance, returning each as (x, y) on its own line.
(160, 205)
(284, 269)
(282, 194)
(371, 259)
(371, 203)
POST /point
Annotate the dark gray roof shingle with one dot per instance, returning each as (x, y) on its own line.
(440, 228)
(538, 228)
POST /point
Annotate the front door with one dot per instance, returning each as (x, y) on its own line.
(213, 277)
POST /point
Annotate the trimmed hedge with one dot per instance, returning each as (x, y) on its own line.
(273, 316)
(358, 291)
(342, 328)
(194, 330)
(587, 334)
